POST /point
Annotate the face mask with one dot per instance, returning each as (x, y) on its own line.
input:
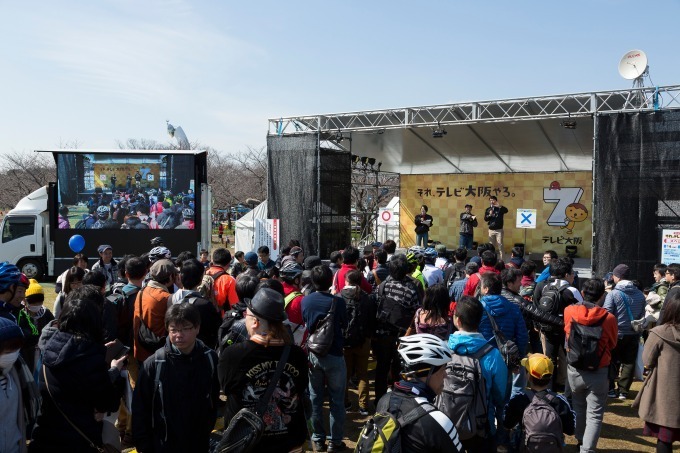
(34, 308)
(8, 359)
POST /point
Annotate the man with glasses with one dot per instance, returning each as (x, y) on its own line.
(673, 278)
(548, 256)
(174, 406)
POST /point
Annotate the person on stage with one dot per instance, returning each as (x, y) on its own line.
(423, 224)
(468, 222)
(494, 217)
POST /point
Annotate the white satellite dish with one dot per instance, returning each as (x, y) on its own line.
(633, 65)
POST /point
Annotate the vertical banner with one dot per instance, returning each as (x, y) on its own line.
(670, 246)
(267, 233)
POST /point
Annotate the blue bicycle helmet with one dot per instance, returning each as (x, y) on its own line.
(9, 275)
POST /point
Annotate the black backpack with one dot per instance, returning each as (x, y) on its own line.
(457, 273)
(582, 347)
(551, 302)
(357, 310)
(320, 341)
(391, 313)
(81, 224)
(226, 335)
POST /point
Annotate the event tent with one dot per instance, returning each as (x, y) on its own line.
(244, 228)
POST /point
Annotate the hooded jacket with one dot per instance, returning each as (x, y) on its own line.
(509, 319)
(180, 416)
(588, 314)
(659, 402)
(494, 370)
(615, 303)
(150, 307)
(80, 383)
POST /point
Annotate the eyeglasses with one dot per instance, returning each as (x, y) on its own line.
(175, 331)
(251, 315)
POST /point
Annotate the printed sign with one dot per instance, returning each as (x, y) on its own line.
(526, 218)
(670, 246)
(386, 217)
(267, 233)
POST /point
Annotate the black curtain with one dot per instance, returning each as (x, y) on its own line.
(637, 189)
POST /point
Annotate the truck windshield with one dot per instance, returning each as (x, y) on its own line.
(17, 227)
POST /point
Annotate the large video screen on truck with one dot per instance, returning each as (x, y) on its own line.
(126, 191)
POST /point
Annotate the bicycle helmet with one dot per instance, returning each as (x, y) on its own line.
(103, 212)
(291, 270)
(159, 253)
(423, 351)
(157, 241)
(188, 214)
(9, 275)
(23, 281)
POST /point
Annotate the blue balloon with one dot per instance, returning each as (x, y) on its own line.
(77, 243)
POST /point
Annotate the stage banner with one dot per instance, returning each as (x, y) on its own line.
(267, 233)
(562, 201)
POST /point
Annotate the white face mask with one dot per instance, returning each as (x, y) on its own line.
(34, 308)
(8, 359)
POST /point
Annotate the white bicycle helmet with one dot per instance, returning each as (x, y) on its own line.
(423, 349)
(159, 253)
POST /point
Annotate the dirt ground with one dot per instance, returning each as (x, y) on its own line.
(621, 430)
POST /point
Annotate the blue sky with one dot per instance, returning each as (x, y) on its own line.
(100, 71)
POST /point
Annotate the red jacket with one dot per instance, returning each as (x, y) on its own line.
(339, 279)
(473, 281)
(294, 308)
(589, 316)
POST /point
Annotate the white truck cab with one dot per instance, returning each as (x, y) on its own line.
(24, 234)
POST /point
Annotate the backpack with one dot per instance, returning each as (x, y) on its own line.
(541, 425)
(551, 302)
(507, 348)
(458, 273)
(81, 224)
(297, 331)
(382, 432)
(392, 313)
(464, 399)
(354, 334)
(582, 347)
(226, 336)
(320, 341)
(206, 287)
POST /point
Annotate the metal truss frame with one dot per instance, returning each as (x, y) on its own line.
(559, 106)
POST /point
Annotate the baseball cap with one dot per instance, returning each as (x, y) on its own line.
(312, 261)
(161, 270)
(267, 304)
(376, 244)
(538, 365)
(251, 258)
(104, 247)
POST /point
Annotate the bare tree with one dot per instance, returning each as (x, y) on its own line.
(370, 190)
(22, 173)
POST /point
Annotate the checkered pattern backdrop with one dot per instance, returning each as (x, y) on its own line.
(447, 194)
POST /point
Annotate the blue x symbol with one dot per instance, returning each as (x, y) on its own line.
(526, 218)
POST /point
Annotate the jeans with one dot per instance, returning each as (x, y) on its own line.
(422, 238)
(589, 399)
(387, 359)
(356, 359)
(624, 354)
(327, 373)
(466, 241)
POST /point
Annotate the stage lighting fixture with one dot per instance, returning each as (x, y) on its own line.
(355, 159)
(571, 124)
(438, 133)
(371, 161)
(379, 165)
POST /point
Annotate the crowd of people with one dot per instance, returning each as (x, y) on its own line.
(471, 354)
(134, 209)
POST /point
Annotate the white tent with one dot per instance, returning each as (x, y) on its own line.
(244, 231)
(391, 231)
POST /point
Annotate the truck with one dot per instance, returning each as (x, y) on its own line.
(34, 239)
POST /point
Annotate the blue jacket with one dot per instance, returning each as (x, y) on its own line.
(509, 318)
(543, 275)
(493, 368)
(614, 304)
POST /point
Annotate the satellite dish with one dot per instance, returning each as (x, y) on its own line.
(633, 65)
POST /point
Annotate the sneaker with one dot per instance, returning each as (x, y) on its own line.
(623, 396)
(319, 446)
(612, 394)
(363, 411)
(339, 446)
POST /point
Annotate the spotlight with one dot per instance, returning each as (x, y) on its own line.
(355, 159)
(371, 161)
(569, 124)
(438, 133)
(379, 165)
(364, 160)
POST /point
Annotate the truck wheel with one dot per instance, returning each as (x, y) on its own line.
(32, 269)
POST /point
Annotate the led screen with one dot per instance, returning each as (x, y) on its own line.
(126, 191)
